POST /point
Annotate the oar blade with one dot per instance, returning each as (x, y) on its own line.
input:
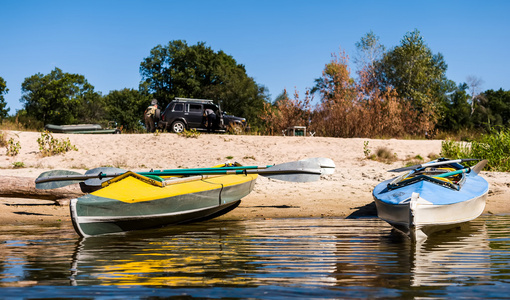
(55, 184)
(326, 165)
(297, 171)
(95, 183)
(479, 166)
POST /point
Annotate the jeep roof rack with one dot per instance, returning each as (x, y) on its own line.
(203, 101)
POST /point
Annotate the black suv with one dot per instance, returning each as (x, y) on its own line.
(184, 113)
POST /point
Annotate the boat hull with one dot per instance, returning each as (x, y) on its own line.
(135, 202)
(424, 218)
(80, 129)
(90, 226)
(423, 208)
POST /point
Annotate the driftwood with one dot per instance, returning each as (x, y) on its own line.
(24, 187)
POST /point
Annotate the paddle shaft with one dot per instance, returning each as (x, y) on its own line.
(466, 170)
(432, 164)
(182, 173)
(191, 170)
(476, 169)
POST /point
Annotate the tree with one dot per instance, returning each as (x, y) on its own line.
(418, 75)
(3, 90)
(286, 112)
(126, 107)
(338, 113)
(59, 98)
(474, 84)
(456, 111)
(368, 51)
(497, 108)
(179, 70)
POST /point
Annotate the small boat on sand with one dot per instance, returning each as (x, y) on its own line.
(431, 197)
(81, 129)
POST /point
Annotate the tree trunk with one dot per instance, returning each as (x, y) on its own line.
(24, 187)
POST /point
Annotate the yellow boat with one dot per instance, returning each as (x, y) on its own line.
(132, 201)
(120, 200)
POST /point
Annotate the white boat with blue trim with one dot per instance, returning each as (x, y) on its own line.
(431, 197)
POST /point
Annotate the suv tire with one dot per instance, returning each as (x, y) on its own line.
(178, 126)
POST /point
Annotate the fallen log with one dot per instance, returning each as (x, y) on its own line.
(24, 187)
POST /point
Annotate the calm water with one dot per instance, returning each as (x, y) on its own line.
(270, 259)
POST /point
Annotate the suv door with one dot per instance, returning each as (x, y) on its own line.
(172, 112)
(194, 115)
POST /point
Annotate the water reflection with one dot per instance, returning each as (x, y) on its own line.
(297, 257)
(453, 257)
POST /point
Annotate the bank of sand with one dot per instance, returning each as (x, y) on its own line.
(345, 193)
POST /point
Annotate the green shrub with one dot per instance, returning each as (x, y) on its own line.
(192, 133)
(495, 147)
(13, 147)
(48, 145)
(18, 164)
(453, 149)
(366, 150)
(3, 139)
(384, 154)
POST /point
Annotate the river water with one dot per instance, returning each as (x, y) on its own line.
(259, 259)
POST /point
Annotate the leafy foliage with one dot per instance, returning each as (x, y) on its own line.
(192, 133)
(492, 110)
(495, 147)
(60, 98)
(13, 147)
(4, 110)
(286, 112)
(3, 139)
(352, 108)
(49, 146)
(396, 92)
(126, 107)
(495, 110)
(417, 75)
(18, 165)
(197, 71)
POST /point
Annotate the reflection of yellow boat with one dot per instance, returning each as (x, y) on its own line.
(132, 201)
(166, 257)
(210, 254)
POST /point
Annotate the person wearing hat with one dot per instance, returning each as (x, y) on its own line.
(150, 116)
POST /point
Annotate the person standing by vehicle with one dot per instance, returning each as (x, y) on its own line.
(150, 116)
(210, 116)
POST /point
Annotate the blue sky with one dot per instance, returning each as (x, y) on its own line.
(283, 44)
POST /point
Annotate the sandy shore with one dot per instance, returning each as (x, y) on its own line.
(345, 193)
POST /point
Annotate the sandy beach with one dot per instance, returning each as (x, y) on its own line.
(346, 193)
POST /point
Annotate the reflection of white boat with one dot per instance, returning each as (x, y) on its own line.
(435, 196)
(453, 258)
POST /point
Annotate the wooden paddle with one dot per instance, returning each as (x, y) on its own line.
(432, 164)
(297, 171)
